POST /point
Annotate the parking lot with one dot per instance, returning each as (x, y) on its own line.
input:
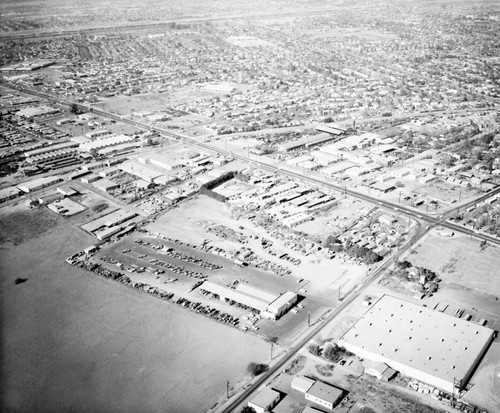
(179, 268)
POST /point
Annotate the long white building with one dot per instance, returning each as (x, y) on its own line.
(105, 143)
(268, 304)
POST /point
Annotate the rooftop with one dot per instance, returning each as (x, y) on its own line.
(265, 397)
(232, 294)
(325, 392)
(430, 341)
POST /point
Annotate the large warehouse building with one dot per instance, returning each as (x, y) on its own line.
(429, 346)
(270, 305)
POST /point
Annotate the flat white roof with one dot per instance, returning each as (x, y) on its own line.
(302, 383)
(426, 340)
(40, 182)
(10, 191)
(103, 143)
(265, 398)
(140, 170)
(101, 222)
(232, 294)
(256, 292)
(325, 392)
(338, 167)
(282, 300)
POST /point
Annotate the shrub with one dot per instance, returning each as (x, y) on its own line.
(257, 368)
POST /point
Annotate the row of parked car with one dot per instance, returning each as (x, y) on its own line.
(171, 252)
(208, 311)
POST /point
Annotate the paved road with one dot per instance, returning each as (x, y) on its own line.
(430, 219)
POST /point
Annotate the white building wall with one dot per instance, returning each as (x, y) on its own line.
(446, 385)
(319, 401)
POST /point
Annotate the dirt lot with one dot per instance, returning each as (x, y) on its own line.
(34, 224)
(72, 339)
(460, 261)
(145, 102)
(324, 277)
(445, 192)
(486, 381)
(96, 205)
(155, 102)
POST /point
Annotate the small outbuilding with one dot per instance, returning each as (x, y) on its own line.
(324, 394)
(265, 400)
(379, 370)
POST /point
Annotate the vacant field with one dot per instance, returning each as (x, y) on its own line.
(445, 192)
(460, 261)
(72, 341)
(125, 105)
(24, 224)
(486, 381)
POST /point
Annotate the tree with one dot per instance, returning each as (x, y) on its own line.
(363, 252)
(337, 248)
(372, 258)
(314, 350)
(257, 368)
(248, 409)
(331, 240)
(404, 264)
(332, 353)
(74, 109)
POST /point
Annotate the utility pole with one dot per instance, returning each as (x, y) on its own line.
(272, 350)
(309, 319)
(227, 389)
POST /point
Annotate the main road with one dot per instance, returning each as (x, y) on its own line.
(430, 219)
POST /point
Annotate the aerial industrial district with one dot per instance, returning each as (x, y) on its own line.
(202, 219)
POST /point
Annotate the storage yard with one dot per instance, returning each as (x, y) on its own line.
(181, 269)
